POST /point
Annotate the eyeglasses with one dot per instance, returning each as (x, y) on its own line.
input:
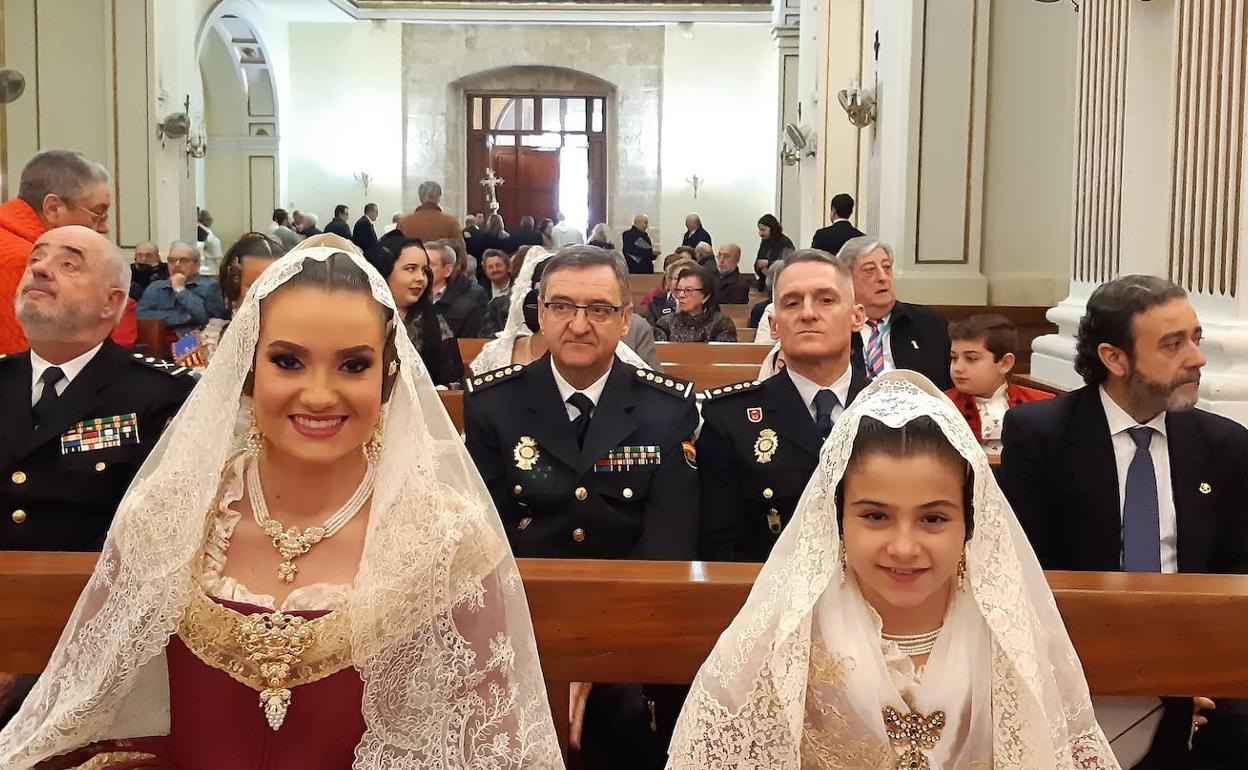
(96, 218)
(182, 260)
(683, 292)
(565, 311)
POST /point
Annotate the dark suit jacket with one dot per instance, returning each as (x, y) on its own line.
(833, 237)
(365, 234)
(748, 499)
(734, 288)
(919, 340)
(638, 250)
(463, 306)
(338, 227)
(647, 512)
(69, 498)
(1059, 473)
(692, 239)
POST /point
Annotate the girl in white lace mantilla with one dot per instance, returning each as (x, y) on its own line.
(384, 626)
(902, 621)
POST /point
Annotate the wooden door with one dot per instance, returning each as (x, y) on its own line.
(532, 182)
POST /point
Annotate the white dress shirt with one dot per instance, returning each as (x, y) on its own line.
(71, 369)
(763, 333)
(1124, 449)
(593, 392)
(497, 292)
(886, 338)
(808, 389)
(567, 236)
(992, 415)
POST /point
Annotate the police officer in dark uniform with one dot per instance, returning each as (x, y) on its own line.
(588, 457)
(78, 414)
(760, 441)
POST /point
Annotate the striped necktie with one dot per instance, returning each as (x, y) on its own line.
(873, 355)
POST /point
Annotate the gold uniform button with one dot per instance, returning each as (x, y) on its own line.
(100, 466)
(581, 494)
(768, 494)
(628, 493)
(578, 535)
(517, 489)
(18, 516)
(19, 478)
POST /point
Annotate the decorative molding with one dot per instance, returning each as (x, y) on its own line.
(1099, 123)
(1208, 147)
(559, 11)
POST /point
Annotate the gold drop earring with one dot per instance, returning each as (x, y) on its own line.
(962, 572)
(255, 439)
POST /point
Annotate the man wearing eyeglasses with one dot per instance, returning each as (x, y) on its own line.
(187, 300)
(587, 457)
(57, 188)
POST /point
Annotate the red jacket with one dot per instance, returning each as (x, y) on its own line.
(1014, 395)
(20, 227)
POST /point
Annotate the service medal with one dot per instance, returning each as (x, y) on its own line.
(765, 445)
(525, 453)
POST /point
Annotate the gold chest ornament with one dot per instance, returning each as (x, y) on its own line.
(526, 453)
(765, 445)
(912, 734)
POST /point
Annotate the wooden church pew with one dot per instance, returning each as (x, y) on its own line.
(712, 352)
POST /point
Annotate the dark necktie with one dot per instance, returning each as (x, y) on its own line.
(1141, 523)
(825, 402)
(581, 423)
(47, 399)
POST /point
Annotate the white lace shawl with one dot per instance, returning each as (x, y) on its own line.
(440, 630)
(799, 679)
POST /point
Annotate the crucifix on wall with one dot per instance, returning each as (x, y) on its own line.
(492, 182)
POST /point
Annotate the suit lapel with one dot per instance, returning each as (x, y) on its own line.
(792, 416)
(1091, 453)
(857, 376)
(611, 423)
(1195, 517)
(900, 339)
(16, 418)
(549, 419)
(81, 397)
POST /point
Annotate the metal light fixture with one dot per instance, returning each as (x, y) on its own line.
(859, 105)
(12, 85)
(798, 141)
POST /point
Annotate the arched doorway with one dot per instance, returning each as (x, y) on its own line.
(238, 178)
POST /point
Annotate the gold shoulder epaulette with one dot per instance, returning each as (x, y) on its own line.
(490, 379)
(665, 382)
(728, 390)
(160, 365)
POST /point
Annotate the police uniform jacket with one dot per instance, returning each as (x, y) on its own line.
(756, 452)
(629, 493)
(61, 482)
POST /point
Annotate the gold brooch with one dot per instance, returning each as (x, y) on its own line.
(526, 453)
(765, 445)
(276, 641)
(1205, 488)
(913, 734)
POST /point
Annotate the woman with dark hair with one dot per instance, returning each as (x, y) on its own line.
(546, 228)
(773, 246)
(258, 246)
(697, 317)
(404, 263)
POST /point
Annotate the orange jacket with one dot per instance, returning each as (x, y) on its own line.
(1014, 395)
(20, 227)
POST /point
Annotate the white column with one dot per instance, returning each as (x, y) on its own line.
(785, 31)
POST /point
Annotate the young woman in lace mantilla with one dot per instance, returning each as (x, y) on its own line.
(902, 621)
(334, 591)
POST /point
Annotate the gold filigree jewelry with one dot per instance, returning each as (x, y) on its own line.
(765, 445)
(276, 642)
(290, 542)
(372, 448)
(913, 734)
(255, 439)
(962, 572)
(526, 453)
(844, 566)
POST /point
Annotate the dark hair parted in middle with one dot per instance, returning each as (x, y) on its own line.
(1111, 309)
(920, 436)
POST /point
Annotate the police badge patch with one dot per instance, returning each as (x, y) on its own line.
(765, 445)
(526, 453)
(754, 414)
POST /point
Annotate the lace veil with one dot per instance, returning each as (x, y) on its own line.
(440, 629)
(800, 678)
(496, 354)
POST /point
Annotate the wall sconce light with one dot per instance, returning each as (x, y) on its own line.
(12, 85)
(859, 105)
(796, 142)
(177, 125)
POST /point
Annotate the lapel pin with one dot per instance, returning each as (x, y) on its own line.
(1205, 488)
(915, 343)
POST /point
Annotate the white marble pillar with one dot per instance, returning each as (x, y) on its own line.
(1160, 175)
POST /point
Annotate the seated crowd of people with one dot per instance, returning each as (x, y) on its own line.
(588, 450)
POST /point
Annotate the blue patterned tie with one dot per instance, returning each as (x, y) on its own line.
(873, 355)
(1141, 522)
(825, 402)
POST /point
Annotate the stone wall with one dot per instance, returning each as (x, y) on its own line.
(439, 59)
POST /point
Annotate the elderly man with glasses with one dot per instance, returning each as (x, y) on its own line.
(587, 457)
(187, 300)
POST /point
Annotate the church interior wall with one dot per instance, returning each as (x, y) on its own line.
(719, 123)
(630, 59)
(345, 118)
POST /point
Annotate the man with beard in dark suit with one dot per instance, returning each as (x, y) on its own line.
(78, 414)
(760, 441)
(896, 335)
(834, 236)
(1125, 474)
(585, 457)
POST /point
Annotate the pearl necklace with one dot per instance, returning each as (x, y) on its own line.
(916, 644)
(291, 543)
